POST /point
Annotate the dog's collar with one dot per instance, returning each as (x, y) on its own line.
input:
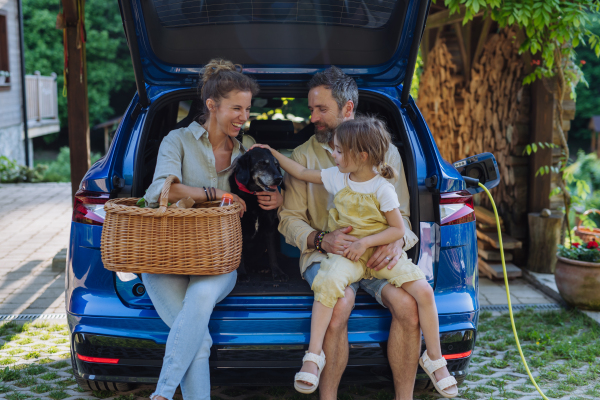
(243, 188)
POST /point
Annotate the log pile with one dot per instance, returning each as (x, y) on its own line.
(437, 91)
(487, 114)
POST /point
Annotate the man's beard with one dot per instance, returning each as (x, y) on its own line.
(326, 135)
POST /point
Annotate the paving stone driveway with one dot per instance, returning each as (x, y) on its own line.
(34, 226)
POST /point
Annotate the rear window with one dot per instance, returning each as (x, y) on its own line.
(363, 13)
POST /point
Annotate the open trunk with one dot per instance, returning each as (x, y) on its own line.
(179, 109)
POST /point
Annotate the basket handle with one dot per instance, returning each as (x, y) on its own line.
(164, 195)
(593, 210)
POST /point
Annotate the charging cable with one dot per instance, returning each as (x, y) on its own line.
(512, 320)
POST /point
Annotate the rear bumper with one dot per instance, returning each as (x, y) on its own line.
(140, 358)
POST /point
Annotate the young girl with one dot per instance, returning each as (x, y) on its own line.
(365, 200)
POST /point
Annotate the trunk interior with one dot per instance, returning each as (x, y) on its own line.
(179, 109)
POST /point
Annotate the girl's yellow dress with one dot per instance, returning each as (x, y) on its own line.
(362, 212)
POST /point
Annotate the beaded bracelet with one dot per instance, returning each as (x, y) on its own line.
(206, 193)
(319, 241)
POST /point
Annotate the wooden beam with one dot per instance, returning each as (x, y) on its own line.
(542, 118)
(444, 18)
(77, 95)
(463, 51)
(425, 47)
(482, 39)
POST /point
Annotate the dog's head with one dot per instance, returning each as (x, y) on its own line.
(257, 169)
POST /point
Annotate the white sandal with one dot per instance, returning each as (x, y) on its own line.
(430, 366)
(307, 376)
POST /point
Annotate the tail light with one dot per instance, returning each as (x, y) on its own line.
(88, 207)
(99, 360)
(457, 355)
(456, 208)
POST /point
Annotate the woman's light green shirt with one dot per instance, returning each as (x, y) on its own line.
(188, 154)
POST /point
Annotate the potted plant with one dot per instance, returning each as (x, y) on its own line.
(578, 274)
(3, 76)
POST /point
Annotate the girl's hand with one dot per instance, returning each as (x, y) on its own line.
(355, 251)
(236, 198)
(262, 146)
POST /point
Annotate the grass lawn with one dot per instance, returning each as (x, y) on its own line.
(561, 347)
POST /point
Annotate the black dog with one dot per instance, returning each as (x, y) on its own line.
(256, 171)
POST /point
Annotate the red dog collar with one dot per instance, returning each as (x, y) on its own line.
(242, 187)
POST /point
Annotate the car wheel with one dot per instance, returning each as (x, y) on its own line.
(426, 383)
(99, 385)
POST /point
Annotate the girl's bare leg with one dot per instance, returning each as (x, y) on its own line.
(428, 318)
(321, 317)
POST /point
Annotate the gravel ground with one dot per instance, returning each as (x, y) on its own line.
(561, 347)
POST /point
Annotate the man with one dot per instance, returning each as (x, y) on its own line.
(332, 99)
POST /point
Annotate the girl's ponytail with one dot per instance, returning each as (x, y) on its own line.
(386, 171)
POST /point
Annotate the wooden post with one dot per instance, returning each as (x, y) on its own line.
(544, 237)
(542, 118)
(77, 95)
(463, 51)
(106, 139)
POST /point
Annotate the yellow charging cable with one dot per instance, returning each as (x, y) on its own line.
(512, 320)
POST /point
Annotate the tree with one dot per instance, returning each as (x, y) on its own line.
(588, 101)
(110, 74)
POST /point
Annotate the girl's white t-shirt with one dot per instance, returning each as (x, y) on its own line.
(334, 181)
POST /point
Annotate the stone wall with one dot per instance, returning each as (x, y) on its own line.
(11, 143)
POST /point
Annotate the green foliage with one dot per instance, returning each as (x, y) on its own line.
(553, 28)
(108, 62)
(580, 253)
(588, 101)
(60, 169)
(416, 81)
(587, 171)
(12, 172)
(8, 374)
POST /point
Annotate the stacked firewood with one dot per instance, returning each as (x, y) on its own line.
(487, 114)
(437, 91)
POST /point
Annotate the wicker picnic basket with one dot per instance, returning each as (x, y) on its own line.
(588, 234)
(191, 241)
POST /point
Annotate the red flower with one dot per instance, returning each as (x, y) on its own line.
(592, 244)
(582, 62)
(575, 244)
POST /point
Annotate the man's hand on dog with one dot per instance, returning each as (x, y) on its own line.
(269, 200)
(338, 241)
(386, 256)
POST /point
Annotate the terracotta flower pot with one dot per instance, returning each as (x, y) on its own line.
(578, 283)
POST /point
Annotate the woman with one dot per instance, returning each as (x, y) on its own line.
(201, 157)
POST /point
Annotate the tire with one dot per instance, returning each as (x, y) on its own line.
(423, 384)
(99, 385)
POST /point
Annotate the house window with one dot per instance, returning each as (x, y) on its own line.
(4, 66)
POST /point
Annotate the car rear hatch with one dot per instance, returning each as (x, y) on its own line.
(279, 42)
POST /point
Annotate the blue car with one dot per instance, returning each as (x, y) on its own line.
(118, 339)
